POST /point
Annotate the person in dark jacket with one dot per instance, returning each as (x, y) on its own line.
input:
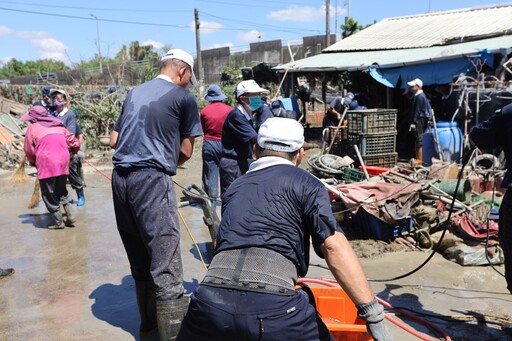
(46, 101)
(239, 134)
(269, 218)
(419, 114)
(493, 133)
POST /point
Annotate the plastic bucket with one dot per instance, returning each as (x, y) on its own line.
(450, 141)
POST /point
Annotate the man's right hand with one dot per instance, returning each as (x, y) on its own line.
(379, 331)
(412, 127)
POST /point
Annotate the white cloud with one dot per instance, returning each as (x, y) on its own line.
(43, 43)
(4, 30)
(50, 48)
(5, 60)
(156, 44)
(302, 13)
(252, 35)
(216, 45)
(206, 27)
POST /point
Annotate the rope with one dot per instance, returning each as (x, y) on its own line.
(179, 213)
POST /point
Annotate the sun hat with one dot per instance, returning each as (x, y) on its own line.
(214, 94)
(249, 86)
(281, 134)
(60, 91)
(184, 57)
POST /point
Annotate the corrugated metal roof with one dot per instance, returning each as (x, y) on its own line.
(432, 29)
(360, 60)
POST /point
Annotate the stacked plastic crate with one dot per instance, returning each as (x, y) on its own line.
(374, 133)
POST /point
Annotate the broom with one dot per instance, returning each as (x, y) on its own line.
(36, 196)
(19, 174)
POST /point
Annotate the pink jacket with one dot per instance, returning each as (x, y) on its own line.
(47, 149)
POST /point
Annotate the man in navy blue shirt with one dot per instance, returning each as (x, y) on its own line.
(153, 135)
(419, 115)
(269, 218)
(496, 132)
(239, 134)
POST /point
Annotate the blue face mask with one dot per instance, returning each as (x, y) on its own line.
(254, 102)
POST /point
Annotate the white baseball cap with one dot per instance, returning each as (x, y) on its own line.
(184, 57)
(249, 86)
(417, 82)
(281, 134)
(58, 91)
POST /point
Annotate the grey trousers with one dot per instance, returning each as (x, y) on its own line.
(54, 192)
(147, 220)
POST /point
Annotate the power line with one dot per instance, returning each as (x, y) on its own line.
(265, 26)
(95, 8)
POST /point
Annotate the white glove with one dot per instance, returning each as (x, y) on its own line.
(412, 127)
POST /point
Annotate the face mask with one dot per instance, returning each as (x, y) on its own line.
(58, 104)
(254, 102)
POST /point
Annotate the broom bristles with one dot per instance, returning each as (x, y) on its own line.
(34, 200)
(19, 174)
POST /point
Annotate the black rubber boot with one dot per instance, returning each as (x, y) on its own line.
(58, 221)
(146, 301)
(6, 272)
(170, 314)
(70, 220)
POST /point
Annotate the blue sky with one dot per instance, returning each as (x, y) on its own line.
(31, 30)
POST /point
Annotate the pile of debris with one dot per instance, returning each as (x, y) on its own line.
(11, 134)
(414, 202)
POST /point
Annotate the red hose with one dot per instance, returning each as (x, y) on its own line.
(407, 328)
(99, 171)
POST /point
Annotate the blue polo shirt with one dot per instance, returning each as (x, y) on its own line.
(277, 206)
(238, 135)
(497, 132)
(156, 116)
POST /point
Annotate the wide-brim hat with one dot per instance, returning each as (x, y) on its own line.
(34, 113)
(248, 87)
(214, 94)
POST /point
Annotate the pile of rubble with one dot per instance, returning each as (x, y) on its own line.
(11, 134)
(414, 202)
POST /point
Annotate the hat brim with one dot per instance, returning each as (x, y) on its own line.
(26, 117)
(412, 83)
(193, 79)
(215, 98)
(59, 91)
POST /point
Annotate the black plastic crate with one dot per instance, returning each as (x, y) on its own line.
(382, 160)
(371, 121)
(372, 227)
(372, 144)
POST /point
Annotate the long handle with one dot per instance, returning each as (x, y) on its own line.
(436, 137)
(337, 129)
(361, 162)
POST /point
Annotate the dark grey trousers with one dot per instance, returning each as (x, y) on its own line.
(54, 192)
(230, 169)
(147, 220)
(76, 177)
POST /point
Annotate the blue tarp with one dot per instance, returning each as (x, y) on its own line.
(441, 72)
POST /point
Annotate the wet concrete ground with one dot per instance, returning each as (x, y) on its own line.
(74, 284)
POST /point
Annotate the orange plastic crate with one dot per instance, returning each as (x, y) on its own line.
(339, 314)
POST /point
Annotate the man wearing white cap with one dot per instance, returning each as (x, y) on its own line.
(153, 135)
(239, 134)
(420, 114)
(269, 218)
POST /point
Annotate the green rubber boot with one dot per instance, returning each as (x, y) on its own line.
(170, 314)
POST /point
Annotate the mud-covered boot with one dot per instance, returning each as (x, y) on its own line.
(6, 272)
(58, 221)
(70, 220)
(170, 314)
(81, 197)
(146, 302)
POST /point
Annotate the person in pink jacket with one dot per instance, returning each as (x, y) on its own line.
(47, 146)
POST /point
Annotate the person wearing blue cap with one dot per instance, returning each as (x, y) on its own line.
(212, 119)
(270, 217)
(46, 101)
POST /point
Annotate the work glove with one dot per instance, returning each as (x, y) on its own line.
(412, 127)
(373, 314)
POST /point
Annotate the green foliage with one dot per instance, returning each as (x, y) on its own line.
(14, 67)
(350, 27)
(136, 52)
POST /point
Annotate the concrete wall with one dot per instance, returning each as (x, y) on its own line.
(314, 45)
(266, 52)
(214, 60)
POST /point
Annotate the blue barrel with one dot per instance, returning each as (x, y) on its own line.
(450, 140)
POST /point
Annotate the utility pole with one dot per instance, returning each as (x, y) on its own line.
(347, 17)
(336, 21)
(327, 23)
(198, 46)
(98, 42)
